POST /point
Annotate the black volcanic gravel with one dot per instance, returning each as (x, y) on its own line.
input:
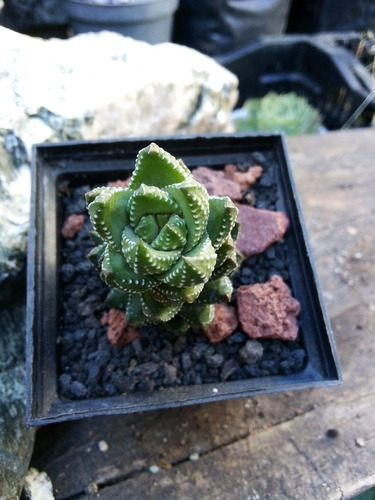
(88, 367)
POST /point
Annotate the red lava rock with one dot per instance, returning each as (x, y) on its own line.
(72, 225)
(119, 333)
(224, 323)
(104, 319)
(217, 183)
(268, 310)
(244, 179)
(120, 183)
(259, 229)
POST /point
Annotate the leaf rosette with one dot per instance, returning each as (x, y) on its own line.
(163, 245)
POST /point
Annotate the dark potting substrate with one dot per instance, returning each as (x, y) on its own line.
(72, 370)
(89, 367)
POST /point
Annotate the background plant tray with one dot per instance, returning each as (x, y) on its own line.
(100, 161)
(330, 77)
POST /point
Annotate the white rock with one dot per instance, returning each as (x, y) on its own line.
(154, 469)
(38, 485)
(104, 85)
(103, 446)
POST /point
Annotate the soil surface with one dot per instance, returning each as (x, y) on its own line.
(89, 367)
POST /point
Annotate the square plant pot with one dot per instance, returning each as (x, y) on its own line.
(63, 168)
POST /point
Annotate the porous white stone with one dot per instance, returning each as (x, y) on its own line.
(38, 485)
(104, 85)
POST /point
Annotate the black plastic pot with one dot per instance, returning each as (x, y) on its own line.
(219, 27)
(328, 76)
(311, 16)
(147, 20)
(57, 165)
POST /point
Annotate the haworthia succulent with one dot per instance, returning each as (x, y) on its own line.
(163, 245)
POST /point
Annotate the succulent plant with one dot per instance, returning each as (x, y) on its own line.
(289, 113)
(164, 246)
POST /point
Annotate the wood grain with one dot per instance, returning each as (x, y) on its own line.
(317, 444)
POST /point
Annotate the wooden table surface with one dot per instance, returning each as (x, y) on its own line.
(310, 444)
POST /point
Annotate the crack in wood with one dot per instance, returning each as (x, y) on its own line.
(309, 461)
(353, 489)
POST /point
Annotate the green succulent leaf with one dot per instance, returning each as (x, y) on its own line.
(167, 293)
(228, 259)
(192, 198)
(197, 315)
(116, 272)
(216, 291)
(117, 299)
(157, 167)
(134, 313)
(235, 231)
(147, 228)
(150, 200)
(192, 268)
(221, 220)
(226, 251)
(228, 266)
(96, 255)
(172, 234)
(156, 311)
(107, 209)
(143, 258)
(176, 326)
(96, 238)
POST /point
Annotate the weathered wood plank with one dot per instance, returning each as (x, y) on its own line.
(272, 446)
(335, 176)
(71, 455)
(293, 460)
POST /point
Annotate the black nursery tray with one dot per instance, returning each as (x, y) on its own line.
(56, 166)
(330, 77)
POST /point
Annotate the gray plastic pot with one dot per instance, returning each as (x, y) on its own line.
(147, 20)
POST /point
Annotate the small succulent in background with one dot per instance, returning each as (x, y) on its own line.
(164, 246)
(289, 113)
